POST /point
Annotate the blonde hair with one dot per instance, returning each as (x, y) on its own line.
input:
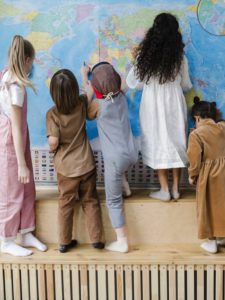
(20, 49)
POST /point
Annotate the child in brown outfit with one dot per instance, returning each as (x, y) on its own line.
(206, 153)
(74, 161)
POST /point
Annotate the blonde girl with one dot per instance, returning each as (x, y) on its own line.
(17, 189)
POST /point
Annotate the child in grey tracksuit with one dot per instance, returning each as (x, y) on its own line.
(117, 143)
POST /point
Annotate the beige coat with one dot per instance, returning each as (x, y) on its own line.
(206, 153)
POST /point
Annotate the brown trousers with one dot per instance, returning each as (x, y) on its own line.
(85, 187)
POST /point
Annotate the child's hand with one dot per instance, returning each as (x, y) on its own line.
(23, 174)
(85, 70)
(192, 180)
(53, 143)
(88, 90)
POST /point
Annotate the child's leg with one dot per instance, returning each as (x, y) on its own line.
(126, 187)
(114, 201)
(68, 193)
(163, 193)
(11, 198)
(113, 190)
(11, 193)
(176, 181)
(27, 215)
(27, 221)
(121, 244)
(91, 206)
(11, 203)
(163, 179)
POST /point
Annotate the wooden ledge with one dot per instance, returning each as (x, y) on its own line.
(176, 254)
(137, 195)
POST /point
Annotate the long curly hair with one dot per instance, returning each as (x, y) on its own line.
(161, 51)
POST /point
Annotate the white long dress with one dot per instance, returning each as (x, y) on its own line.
(163, 118)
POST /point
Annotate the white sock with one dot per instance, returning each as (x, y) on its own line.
(210, 246)
(12, 248)
(121, 245)
(161, 195)
(175, 195)
(29, 240)
(126, 187)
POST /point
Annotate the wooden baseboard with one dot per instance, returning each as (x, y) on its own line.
(146, 272)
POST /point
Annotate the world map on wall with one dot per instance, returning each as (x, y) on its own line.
(211, 14)
(66, 33)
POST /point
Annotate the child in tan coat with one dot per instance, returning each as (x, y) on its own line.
(74, 161)
(206, 153)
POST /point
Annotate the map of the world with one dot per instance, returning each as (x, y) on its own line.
(66, 33)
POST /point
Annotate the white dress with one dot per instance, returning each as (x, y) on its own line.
(163, 118)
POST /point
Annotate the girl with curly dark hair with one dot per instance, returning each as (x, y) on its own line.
(162, 70)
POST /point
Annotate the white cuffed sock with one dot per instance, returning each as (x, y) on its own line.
(12, 248)
(210, 246)
(29, 240)
(161, 195)
(121, 245)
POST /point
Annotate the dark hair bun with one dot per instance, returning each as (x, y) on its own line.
(196, 100)
(213, 104)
